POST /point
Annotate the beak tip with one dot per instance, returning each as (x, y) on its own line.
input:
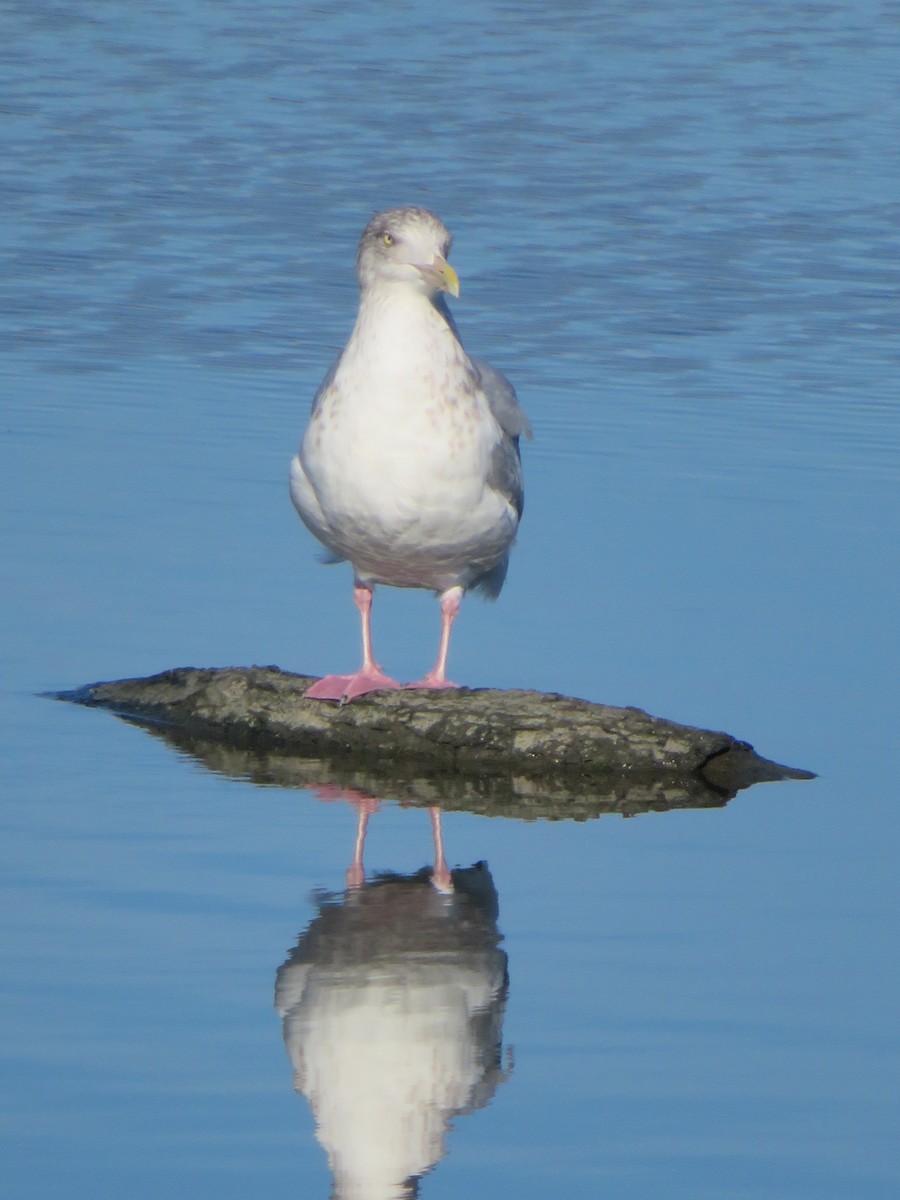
(451, 280)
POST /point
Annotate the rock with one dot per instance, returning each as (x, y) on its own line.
(522, 753)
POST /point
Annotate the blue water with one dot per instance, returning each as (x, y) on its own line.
(676, 231)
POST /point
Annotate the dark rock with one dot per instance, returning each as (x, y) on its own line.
(519, 753)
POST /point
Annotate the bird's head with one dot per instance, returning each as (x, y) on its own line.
(406, 245)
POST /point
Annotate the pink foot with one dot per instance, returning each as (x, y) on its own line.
(345, 687)
(433, 683)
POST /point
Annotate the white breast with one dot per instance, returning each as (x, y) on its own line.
(393, 469)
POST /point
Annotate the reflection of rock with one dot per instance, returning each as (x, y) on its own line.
(521, 754)
(392, 1007)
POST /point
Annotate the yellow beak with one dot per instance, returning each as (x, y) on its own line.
(450, 279)
(441, 274)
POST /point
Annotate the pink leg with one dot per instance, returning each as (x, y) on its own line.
(441, 877)
(369, 677)
(356, 874)
(437, 676)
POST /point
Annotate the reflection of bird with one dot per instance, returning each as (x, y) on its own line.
(366, 804)
(392, 1008)
(410, 465)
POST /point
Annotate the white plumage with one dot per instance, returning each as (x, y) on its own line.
(392, 1009)
(410, 465)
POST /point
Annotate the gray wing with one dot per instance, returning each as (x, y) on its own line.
(501, 396)
(505, 475)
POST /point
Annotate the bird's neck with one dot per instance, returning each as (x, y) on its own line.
(399, 315)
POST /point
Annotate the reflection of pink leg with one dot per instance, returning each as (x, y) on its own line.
(369, 677)
(356, 874)
(441, 877)
(437, 676)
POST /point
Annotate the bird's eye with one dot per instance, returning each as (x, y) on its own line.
(388, 239)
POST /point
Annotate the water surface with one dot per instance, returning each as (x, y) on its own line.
(676, 230)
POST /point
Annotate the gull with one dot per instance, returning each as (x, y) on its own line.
(409, 468)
